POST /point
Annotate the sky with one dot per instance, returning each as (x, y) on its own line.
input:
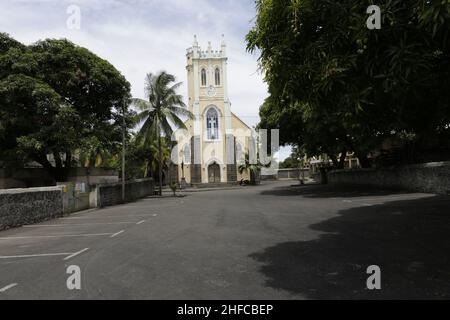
(141, 36)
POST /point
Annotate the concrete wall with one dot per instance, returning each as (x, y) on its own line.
(286, 174)
(75, 197)
(38, 177)
(26, 206)
(111, 194)
(430, 177)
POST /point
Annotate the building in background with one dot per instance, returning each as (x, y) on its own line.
(216, 140)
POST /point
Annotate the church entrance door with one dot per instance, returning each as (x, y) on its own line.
(214, 173)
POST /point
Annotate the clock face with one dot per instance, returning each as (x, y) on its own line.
(211, 91)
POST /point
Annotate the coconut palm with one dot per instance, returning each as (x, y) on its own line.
(252, 169)
(151, 164)
(163, 108)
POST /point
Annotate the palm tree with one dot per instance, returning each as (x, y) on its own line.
(163, 108)
(252, 169)
(151, 164)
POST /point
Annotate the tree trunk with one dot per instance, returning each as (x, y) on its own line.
(341, 164)
(160, 159)
(323, 176)
(334, 160)
(364, 161)
(59, 173)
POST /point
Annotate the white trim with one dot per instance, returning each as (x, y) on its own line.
(214, 107)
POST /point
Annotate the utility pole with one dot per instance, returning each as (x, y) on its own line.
(123, 152)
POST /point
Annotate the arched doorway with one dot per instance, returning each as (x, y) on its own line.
(213, 173)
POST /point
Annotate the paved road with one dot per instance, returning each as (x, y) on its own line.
(267, 242)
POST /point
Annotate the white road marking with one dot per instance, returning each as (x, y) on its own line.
(4, 289)
(155, 215)
(35, 255)
(140, 222)
(100, 217)
(59, 236)
(75, 254)
(76, 224)
(116, 234)
(347, 201)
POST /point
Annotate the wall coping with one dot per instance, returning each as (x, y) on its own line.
(411, 166)
(28, 190)
(126, 182)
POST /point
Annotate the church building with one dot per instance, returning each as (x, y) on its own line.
(216, 141)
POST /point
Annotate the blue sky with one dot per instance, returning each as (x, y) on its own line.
(140, 36)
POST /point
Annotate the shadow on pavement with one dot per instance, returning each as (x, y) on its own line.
(328, 191)
(409, 240)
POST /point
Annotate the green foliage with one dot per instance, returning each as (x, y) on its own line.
(173, 186)
(58, 99)
(337, 86)
(158, 113)
(253, 169)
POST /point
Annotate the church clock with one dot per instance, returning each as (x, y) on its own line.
(211, 91)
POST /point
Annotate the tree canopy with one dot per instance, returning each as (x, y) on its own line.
(159, 112)
(55, 98)
(337, 86)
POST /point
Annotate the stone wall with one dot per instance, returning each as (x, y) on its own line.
(106, 195)
(26, 206)
(430, 177)
(38, 177)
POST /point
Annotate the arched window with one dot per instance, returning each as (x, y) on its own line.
(212, 124)
(217, 76)
(203, 73)
(187, 154)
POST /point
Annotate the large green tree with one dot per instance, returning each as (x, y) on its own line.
(347, 87)
(162, 109)
(55, 99)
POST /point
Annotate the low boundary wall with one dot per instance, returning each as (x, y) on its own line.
(105, 195)
(429, 177)
(19, 207)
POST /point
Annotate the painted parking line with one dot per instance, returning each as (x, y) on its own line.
(75, 224)
(140, 222)
(116, 234)
(58, 236)
(36, 255)
(76, 254)
(100, 217)
(10, 286)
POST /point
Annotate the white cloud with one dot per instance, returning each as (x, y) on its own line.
(140, 36)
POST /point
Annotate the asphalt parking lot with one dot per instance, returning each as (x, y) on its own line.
(273, 241)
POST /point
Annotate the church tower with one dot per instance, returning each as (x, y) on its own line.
(212, 147)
